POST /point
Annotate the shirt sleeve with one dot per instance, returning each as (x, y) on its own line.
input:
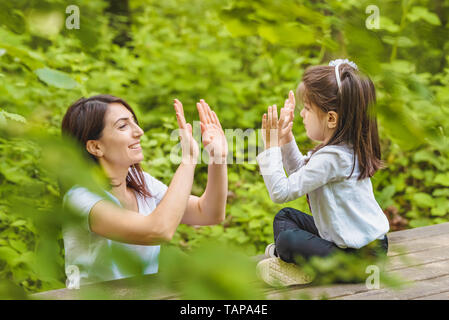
(156, 187)
(80, 201)
(292, 158)
(323, 167)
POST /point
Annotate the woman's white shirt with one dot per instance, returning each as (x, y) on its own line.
(345, 211)
(96, 258)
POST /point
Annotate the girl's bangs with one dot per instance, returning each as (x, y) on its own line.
(301, 94)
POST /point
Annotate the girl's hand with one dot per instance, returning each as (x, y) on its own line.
(270, 127)
(214, 139)
(286, 120)
(189, 146)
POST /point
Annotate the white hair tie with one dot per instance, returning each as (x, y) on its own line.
(336, 63)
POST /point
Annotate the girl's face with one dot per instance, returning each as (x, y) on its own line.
(120, 140)
(314, 122)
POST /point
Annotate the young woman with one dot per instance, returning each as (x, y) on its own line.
(138, 212)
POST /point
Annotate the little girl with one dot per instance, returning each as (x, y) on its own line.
(335, 176)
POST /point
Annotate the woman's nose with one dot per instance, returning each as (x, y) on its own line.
(137, 130)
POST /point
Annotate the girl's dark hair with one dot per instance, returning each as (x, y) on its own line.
(84, 120)
(354, 104)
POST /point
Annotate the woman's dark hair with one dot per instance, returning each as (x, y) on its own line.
(84, 120)
(354, 104)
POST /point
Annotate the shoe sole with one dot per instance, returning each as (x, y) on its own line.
(276, 272)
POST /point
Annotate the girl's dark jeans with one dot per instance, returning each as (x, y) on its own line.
(295, 234)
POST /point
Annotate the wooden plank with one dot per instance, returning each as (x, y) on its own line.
(416, 290)
(425, 246)
(438, 296)
(417, 245)
(418, 233)
(316, 292)
(339, 291)
(145, 287)
(418, 258)
(424, 272)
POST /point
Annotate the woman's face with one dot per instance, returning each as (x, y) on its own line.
(120, 140)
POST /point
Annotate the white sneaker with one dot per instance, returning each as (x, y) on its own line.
(269, 251)
(277, 273)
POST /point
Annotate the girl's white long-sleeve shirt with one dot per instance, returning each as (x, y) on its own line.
(345, 211)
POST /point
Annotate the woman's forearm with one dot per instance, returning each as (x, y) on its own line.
(119, 224)
(171, 209)
(213, 200)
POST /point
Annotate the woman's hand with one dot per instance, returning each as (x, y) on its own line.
(214, 139)
(189, 145)
(270, 127)
(286, 120)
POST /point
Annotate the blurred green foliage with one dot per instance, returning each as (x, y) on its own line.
(240, 56)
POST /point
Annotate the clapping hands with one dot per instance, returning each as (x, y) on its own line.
(213, 137)
(189, 146)
(278, 132)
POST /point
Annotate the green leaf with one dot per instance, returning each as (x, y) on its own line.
(12, 116)
(388, 24)
(442, 207)
(417, 173)
(33, 61)
(441, 192)
(8, 254)
(442, 179)
(18, 244)
(239, 29)
(439, 212)
(423, 200)
(422, 13)
(401, 41)
(2, 119)
(18, 223)
(416, 223)
(56, 78)
(287, 34)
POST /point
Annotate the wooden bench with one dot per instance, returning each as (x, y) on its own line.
(420, 256)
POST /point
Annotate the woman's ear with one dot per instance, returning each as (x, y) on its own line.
(332, 119)
(93, 147)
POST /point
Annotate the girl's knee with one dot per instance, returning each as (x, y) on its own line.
(285, 244)
(281, 216)
(287, 214)
(282, 213)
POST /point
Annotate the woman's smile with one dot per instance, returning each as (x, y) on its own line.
(136, 146)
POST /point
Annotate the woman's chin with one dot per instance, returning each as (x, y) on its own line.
(137, 160)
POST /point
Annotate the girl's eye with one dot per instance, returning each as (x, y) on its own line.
(121, 127)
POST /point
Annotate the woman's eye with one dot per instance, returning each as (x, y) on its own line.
(122, 126)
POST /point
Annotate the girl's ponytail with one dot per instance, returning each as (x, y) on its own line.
(353, 99)
(357, 98)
